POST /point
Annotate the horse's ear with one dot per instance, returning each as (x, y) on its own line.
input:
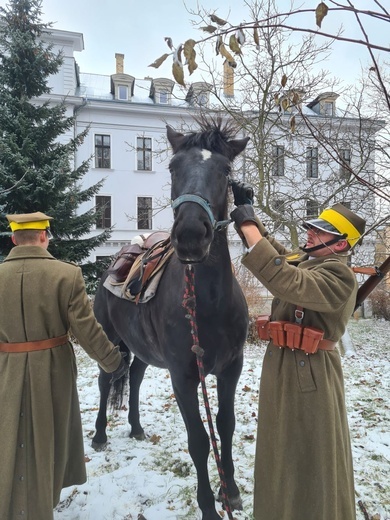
(176, 139)
(236, 146)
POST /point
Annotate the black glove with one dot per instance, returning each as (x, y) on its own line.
(242, 214)
(121, 370)
(243, 193)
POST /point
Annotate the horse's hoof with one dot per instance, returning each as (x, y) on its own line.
(99, 446)
(138, 436)
(234, 502)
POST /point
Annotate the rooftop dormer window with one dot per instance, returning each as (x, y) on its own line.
(161, 90)
(123, 92)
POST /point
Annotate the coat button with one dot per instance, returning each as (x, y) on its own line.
(276, 301)
(21, 478)
(302, 363)
(278, 261)
(21, 445)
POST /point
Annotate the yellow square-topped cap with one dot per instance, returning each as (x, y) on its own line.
(37, 220)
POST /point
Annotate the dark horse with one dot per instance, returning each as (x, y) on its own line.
(158, 333)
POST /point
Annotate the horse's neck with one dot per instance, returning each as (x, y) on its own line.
(219, 255)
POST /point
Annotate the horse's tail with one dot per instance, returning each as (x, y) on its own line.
(119, 388)
(118, 392)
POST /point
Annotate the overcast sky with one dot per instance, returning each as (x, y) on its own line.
(137, 30)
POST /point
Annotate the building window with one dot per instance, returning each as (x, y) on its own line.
(144, 212)
(345, 160)
(328, 108)
(102, 151)
(123, 92)
(312, 209)
(162, 97)
(278, 160)
(312, 162)
(103, 207)
(144, 153)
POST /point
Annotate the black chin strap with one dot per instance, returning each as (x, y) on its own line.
(320, 246)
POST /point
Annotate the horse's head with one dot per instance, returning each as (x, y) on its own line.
(200, 171)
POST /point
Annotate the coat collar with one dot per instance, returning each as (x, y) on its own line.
(20, 252)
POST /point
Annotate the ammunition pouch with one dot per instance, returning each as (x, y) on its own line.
(285, 334)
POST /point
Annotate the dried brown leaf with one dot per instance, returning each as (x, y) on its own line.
(240, 36)
(284, 80)
(285, 104)
(178, 54)
(209, 28)
(190, 55)
(226, 54)
(178, 73)
(233, 44)
(321, 12)
(169, 42)
(292, 124)
(256, 37)
(218, 44)
(214, 18)
(276, 99)
(159, 61)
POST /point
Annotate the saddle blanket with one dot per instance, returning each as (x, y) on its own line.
(120, 289)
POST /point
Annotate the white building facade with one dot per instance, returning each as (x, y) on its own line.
(126, 142)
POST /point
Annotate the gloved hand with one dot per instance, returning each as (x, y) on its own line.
(121, 370)
(242, 214)
(242, 192)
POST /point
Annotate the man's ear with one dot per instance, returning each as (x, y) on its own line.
(13, 240)
(342, 245)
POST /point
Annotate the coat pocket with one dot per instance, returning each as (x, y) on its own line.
(304, 372)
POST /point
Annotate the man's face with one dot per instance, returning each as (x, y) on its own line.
(316, 237)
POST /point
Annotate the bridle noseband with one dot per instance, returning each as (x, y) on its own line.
(217, 225)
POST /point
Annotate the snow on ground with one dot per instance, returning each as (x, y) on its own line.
(155, 478)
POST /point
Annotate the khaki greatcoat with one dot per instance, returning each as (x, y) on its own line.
(40, 425)
(303, 466)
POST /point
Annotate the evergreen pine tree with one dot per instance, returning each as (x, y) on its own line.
(37, 170)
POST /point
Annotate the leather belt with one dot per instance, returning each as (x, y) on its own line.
(326, 344)
(30, 346)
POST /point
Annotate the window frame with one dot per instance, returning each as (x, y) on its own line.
(345, 172)
(108, 207)
(278, 165)
(314, 211)
(147, 209)
(163, 97)
(144, 151)
(121, 86)
(312, 162)
(102, 147)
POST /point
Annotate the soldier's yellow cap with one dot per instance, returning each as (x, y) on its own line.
(340, 220)
(37, 220)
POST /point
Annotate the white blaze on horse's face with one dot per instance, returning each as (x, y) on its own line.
(206, 154)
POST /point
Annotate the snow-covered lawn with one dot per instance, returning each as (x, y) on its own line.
(155, 478)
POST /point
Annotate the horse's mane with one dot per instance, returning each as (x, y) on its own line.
(213, 135)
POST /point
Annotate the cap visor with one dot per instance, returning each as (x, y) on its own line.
(323, 225)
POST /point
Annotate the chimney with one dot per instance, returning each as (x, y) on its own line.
(228, 80)
(119, 63)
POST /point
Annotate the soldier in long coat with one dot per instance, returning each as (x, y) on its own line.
(42, 300)
(303, 465)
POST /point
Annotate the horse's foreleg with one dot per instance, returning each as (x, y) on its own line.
(99, 440)
(198, 442)
(226, 385)
(137, 372)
